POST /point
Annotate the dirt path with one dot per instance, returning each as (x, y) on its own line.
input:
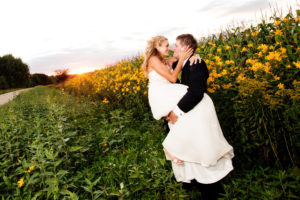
(4, 98)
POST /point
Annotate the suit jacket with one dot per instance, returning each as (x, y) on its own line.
(195, 77)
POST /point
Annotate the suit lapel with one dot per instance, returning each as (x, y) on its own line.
(185, 72)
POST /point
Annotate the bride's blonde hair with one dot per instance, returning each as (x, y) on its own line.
(152, 51)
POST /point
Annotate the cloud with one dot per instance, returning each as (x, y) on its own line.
(233, 7)
(76, 58)
(247, 7)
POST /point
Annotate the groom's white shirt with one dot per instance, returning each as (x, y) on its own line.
(177, 110)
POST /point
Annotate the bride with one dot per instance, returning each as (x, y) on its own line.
(195, 144)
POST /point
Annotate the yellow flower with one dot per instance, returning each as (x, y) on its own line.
(277, 22)
(267, 67)
(280, 86)
(219, 50)
(250, 45)
(263, 48)
(217, 58)
(298, 19)
(226, 86)
(31, 167)
(210, 90)
(105, 101)
(21, 182)
(212, 44)
(228, 62)
(224, 72)
(210, 79)
(202, 47)
(253, 34)
(104, 144)
(256, 66)
(236, 45)
(227, 47)
(285, 19)
(276, 78)
(243, 49)
(241, 77)
(288, 66)
(274, 56)
(278, 32)
(297, 64)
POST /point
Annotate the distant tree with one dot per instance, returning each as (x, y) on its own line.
(3, 83)
(61, 75)
(14, 71)
(40, 79)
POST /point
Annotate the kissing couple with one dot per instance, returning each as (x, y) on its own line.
(195, 144)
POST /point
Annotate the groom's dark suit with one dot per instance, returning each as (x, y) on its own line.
(195, 77)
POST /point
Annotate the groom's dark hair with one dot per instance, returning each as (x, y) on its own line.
(188, 40)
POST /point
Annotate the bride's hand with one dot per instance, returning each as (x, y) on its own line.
(185, 54)
(194, 59)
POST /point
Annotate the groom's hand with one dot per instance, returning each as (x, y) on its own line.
(172, 117)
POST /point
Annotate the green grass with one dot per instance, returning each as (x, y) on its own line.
(80, 150)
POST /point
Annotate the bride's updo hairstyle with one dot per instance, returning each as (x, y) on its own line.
(152, 51)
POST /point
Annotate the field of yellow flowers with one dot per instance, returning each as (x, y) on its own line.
(261, 59)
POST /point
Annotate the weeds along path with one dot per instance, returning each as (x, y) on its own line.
(5, 98)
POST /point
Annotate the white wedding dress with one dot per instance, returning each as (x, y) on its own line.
(196, 138)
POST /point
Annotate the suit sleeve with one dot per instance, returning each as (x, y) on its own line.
(197, 84)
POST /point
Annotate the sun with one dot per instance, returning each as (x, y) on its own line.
(81, 70)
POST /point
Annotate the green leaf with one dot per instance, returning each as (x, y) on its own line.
(62, 173)
(87, 189)
(75, 148)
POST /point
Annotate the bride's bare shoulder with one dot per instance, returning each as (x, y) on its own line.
(154, 60)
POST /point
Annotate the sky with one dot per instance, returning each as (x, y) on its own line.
(84, 35)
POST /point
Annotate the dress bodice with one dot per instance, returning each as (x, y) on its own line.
(155, 78)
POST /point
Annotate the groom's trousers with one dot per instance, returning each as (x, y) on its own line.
(208, 191)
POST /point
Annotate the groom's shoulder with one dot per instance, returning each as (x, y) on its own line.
(199, 65)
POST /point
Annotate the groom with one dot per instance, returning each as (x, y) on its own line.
(195, 77)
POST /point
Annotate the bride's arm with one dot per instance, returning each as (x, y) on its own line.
(170, 61)
(193, 60)
(156, 64)
(162, 69)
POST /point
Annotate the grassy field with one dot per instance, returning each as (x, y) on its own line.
(57, 146)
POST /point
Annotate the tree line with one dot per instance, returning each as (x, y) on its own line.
(15, 74)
